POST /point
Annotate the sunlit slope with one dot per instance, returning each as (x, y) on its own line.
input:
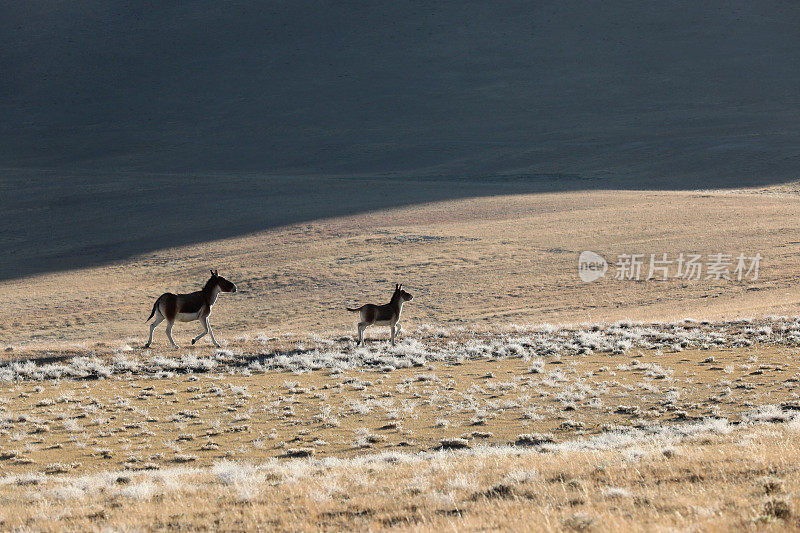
(477, 262)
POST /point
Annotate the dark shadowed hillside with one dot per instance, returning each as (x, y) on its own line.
(704, 90)
(547, 95)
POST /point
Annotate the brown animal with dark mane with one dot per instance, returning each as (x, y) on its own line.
(382, 315)
(189, 307)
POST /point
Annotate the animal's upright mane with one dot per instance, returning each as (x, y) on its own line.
(209, 284)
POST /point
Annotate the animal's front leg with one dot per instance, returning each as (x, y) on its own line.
(205, 330)
(392, 326)
(211, 332)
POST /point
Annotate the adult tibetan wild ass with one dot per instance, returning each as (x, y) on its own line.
(382, 315)
(189, 307)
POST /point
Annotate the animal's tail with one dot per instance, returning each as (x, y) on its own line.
(352, 309)
(152, 314)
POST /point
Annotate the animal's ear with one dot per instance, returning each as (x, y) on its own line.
(396, 287)
(216, 272)
(212, 272)
(400, 286)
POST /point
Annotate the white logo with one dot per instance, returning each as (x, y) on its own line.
(591, 266)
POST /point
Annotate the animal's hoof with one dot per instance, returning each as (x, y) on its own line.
(146, 346)
(194, 341)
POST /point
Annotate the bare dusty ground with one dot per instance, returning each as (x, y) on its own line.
(133, 421)
(480, 261)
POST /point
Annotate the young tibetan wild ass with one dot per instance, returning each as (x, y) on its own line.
(382, 315)
(189, 307)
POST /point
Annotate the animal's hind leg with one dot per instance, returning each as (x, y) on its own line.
(361, 327)
(169, 334)
(391, 326)
(156, 322)
(205, 330)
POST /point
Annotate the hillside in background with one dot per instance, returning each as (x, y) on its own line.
(128, 127)
(646, 90)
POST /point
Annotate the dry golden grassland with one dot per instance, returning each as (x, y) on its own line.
(714, 479)
(482, 417)
(539, 435)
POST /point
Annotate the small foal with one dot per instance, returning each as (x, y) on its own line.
(189, 307)
(382, 315)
